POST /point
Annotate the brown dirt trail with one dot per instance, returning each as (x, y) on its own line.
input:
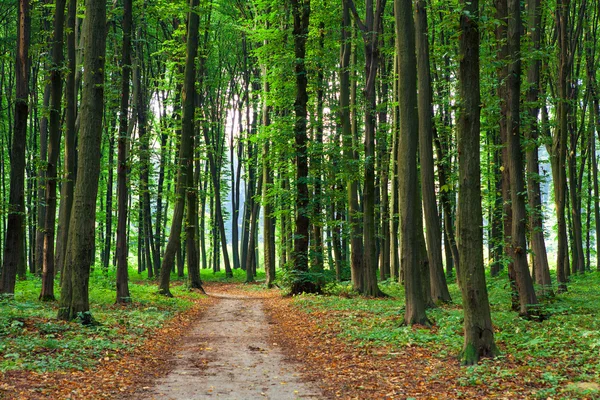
(228, 355)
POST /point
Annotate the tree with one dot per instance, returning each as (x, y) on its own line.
(74, 299)
(14, 242)
(538, 245)
(559, 145)
(370, 31)
(350, 154)
(66, 192)
(478, 331)
(301, 15)
(123, 295)
(518, 242)
(186, 147)
(439, 288)
(55, 133)
(407, 164)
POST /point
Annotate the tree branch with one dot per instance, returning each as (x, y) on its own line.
(359, 23)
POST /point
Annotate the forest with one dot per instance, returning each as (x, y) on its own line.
(395, 199)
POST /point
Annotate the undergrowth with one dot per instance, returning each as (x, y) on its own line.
(550, 355)
(31, 338)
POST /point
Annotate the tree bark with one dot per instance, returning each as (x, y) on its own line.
(370, 30)
(518, 242)
(15, 232)
(123, 295)
(350, 155)
(559, 146)
(301, 15)
(190, 227)
(536, 222)
(74, 299)
(478, 330)
(68, 185)
(268, 225)
(439, 288)
(55, 132)
(407, 165)
(185, 149)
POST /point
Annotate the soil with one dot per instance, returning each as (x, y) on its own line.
(228, 354)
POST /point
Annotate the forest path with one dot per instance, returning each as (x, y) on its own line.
(228, 355)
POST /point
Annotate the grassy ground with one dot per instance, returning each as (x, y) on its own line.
(31, 338)
(560, 355)
(556, 358)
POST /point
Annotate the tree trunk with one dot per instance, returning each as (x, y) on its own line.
(70, 157)
(394, 217)
(80, 255)
(350, 155)
(370, 30)
(253, 230)
(41, 183)
(190, 227)
(185, 149)
(559, 145)
(301, 14)
(439, 288)
(122, 250)
(55, 132)
(478, 330)
(267, 178)
(595, 178)
(536, 222)
(518, 242)
(14, 241)
(407, 165)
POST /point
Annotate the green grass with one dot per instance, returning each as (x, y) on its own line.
(564, 348)
(31, 337)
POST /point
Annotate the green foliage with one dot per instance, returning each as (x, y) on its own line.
(320, 279)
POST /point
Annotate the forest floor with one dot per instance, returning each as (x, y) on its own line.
(228, 354)
(246, 342)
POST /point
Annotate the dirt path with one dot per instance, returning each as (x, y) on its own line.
(228, 356)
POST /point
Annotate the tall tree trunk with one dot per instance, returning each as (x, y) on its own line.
(41, 183)
(185, 148)
(68, 185)
(122, 251)
(301, 14)
(594, 161)
(252, 234)
(109, 197)
(384, 167)
(536, 223)
(190, 227)
(407, 165)
(370, 30)
(394, 218)
(316, 164)
(55, 132)
(518, 242)
(439, 288)
(267, 178)
(80, 256)
(478, 330)
(235, 160)
(502, 72)
(559, 145)
(350, 155)
(575, 200)
(14, 242)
